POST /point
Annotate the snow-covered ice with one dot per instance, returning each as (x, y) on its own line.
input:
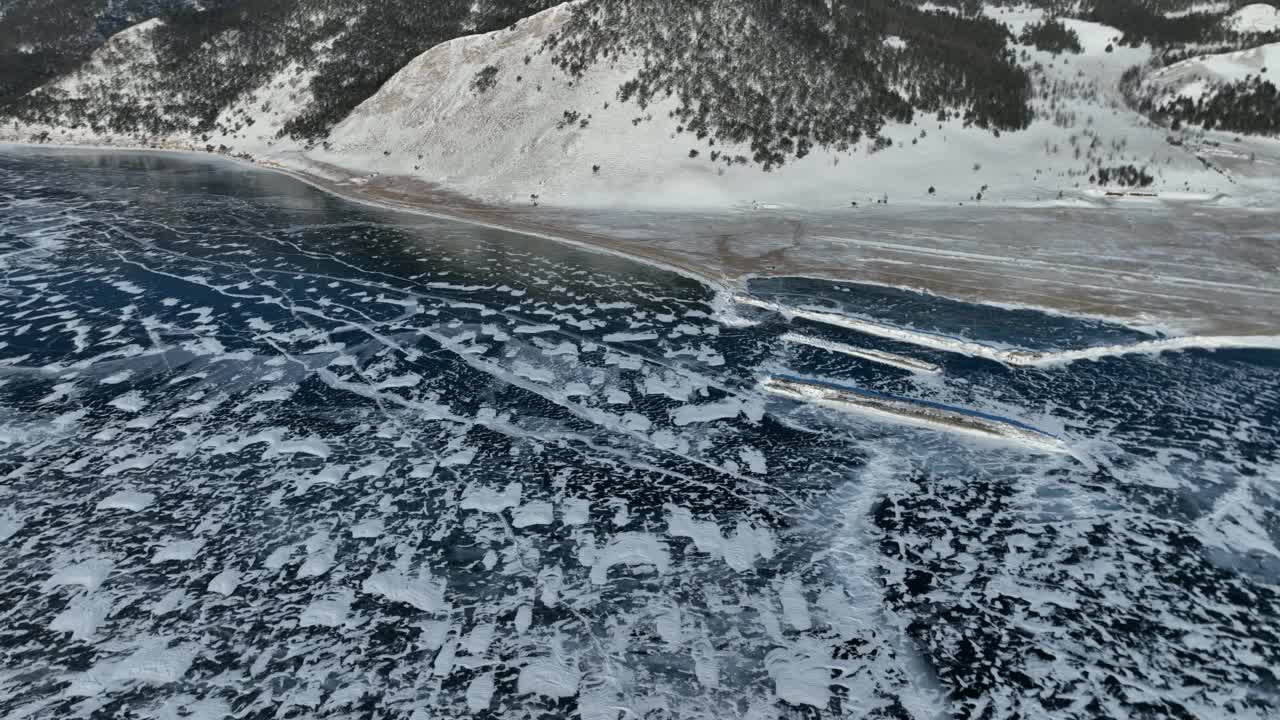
(315, 464)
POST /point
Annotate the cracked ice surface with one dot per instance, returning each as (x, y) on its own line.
(264, 453)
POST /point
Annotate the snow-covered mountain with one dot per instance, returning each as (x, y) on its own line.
(42, 39)
(714, 103)
(533, 131)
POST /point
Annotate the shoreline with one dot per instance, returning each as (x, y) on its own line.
(351, 193)
(724, 271)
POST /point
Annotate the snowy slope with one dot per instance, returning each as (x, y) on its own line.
(256, 117)
(124, 64)
(121, 75)
(1199, 76)
(536, 134)
(511, 141)
(1255, 18)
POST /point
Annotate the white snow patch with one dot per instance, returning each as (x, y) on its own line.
(486, 499)
(422, 591)
(536, 374)
(10, 523)
(576, 511)
(795, 609)
(321, 554)
(668, 626)
(81, 617)
(479, 639)
(740, 550)
(480, 692)
(89, 574)
(371, 528)
(374, 469)
(117, 377)
(801, 673)
(152, 663)
(225, 582)
(327, 475)
(535, 329)
(178, 550)
(131, 500)
(524, 619)
(169, 602)
(127, 287)
(279, 557)
(754, 460)
(633, 549)
(724, 410)
(534, 513)
(131, 401)
(329, 611)
(551, 676)
(636, 422)
(459, 458)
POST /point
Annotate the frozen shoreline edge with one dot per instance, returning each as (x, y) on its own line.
(324, 185)
(730, 287)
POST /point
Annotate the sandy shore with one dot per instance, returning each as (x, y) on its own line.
(1181, 268)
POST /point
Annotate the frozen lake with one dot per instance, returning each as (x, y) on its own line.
(268, 453)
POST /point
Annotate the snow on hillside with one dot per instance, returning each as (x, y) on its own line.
(124, 64)
(1205, 7)
(534, 134)
(260, 114)
(124, 69)
(1255, 18)
(1197, 77)
(493, 117)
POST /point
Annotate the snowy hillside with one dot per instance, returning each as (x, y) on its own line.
(123, 78)
(214, 56)
(123, 65)
(1255, 18)
(530, 130)
(41, 40)
(1231, 91)
(533, 132)
(609, 109)
(1195, 77)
